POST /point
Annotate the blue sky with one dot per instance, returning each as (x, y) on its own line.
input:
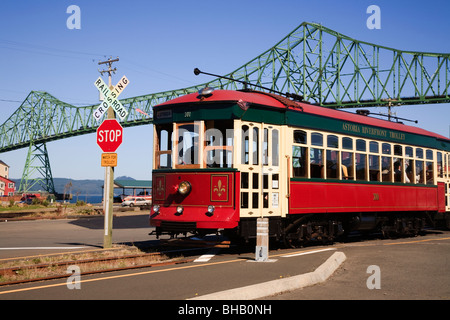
(160, 42)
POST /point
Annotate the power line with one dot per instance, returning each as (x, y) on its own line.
(45, 50)
(6, 100)
(41, 47)
(167, 75)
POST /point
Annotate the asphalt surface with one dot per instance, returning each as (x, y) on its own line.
(177, 282)
(409, 268)
(24, 238)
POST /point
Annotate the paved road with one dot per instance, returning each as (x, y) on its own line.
(24, 238)
(179, 282)
(412, 268)
(409, 269)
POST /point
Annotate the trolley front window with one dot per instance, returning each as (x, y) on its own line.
(194, 145)
(187, 145)
(218, 152)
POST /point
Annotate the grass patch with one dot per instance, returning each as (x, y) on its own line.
(53, 211)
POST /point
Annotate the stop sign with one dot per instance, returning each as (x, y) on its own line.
(109, 135)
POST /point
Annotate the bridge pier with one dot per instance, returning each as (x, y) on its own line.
(37, 162)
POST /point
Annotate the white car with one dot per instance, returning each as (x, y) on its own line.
(136, 201)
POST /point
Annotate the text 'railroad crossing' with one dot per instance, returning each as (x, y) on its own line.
(110, 98)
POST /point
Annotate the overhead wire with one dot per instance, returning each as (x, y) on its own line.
(40, 49)
(32, 48)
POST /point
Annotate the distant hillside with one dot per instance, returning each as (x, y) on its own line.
(89, 187)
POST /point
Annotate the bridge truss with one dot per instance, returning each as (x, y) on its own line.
(320, 64)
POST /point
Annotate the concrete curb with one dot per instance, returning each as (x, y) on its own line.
(322, 273)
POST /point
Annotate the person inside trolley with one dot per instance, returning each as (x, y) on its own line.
(398, 172)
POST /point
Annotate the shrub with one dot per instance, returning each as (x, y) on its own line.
(80, 203)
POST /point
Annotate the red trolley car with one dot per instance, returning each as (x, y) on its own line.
(224, 158)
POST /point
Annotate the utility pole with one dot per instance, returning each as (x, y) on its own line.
(110, 70)
(108, 195)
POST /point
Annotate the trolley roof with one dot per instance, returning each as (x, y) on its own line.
(304, 114)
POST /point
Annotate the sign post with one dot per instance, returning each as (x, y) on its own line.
(108, 206)
(109, 137)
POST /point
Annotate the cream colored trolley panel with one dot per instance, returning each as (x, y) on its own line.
(445, 178)
(447, 171)
(156, 148)
(447, 182)
(259, 161)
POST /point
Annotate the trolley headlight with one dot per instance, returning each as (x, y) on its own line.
(156, 208)
(184, 188)
(210, 211)
(180, 209)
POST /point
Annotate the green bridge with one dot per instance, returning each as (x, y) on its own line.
(325, 67)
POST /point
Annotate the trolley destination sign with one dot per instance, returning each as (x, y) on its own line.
(377, 132)
(110, 98)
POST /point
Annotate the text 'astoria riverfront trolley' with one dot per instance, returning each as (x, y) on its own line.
(224, 158)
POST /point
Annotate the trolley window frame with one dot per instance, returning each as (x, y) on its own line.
(214, 148)
(402, 161)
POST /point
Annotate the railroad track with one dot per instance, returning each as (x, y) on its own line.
(31, 272)
(186, 242)
(56, 270)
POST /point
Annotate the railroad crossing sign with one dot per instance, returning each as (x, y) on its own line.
(109, 135)
(110, 98)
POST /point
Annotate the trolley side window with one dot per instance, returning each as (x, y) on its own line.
(300, 137)
(332, 157)
(420, 173)
(299, 161)
(275, 147)
(440, 167)
(399, 167)
(250, 138)
(386, 163)
(374, 167)
(347, 159)
(374, 161)
(245, 152)
(255, 142)
(300, 155)
(360, 160)
(316, 156)
(332, 164)
(430, 167)
(163, 147)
